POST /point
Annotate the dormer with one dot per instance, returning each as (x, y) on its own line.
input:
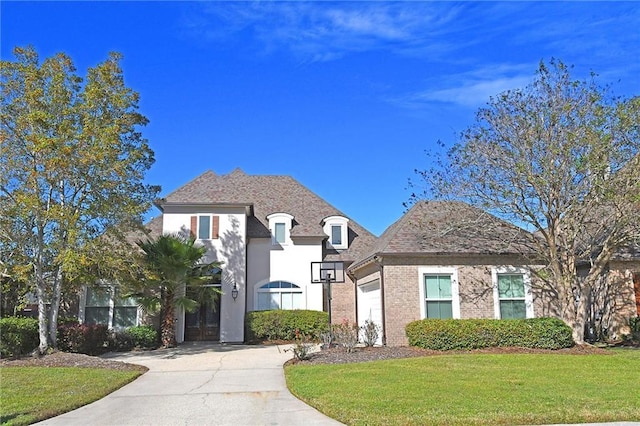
(336, 228)
(280, 226)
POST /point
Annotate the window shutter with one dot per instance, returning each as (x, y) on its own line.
(194, 226)
(215, 227)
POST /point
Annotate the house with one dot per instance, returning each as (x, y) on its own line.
(441, 259)
(446, 259)
(266, 231)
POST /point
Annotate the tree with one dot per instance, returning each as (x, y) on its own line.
(72, 164)
(561, 159)
(173, 263)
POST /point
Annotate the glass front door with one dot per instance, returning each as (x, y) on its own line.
(204, 322)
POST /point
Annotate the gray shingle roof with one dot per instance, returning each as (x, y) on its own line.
(449, 228)
(266, 195)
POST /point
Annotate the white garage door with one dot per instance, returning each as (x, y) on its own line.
(370, 305)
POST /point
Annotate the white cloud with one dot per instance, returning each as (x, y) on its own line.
(470, 89)
(324, 30)
(473, 93)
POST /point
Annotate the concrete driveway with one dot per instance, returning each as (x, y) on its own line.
(201, 384)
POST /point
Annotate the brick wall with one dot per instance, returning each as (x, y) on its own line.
(343, 301)
(402, 301)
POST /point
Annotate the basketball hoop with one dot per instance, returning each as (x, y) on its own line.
(327, 273)
(323, 272)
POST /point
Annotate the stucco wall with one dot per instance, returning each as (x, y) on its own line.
(291, 262)
(229, 249)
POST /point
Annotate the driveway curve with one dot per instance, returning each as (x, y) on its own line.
(201, 384)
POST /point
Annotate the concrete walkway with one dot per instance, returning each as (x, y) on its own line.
(201, 384)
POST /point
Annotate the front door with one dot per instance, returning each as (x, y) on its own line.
(204, 322)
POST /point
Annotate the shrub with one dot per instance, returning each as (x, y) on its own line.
(301, 347)
(18, 336)
(370, 332)
(120, 341)
(346, 335)
(143, 336)
(634, 325)
(282, 324)
(543, 333)
(83, 338)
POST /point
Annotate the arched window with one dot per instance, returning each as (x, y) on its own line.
(279, 295)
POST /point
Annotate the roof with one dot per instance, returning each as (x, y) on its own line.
(267, 194)
(449, 228)
(151, 230)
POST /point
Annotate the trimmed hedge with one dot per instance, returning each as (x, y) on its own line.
(18, 336)
(442, 335)
(136, 337)
(282, 324)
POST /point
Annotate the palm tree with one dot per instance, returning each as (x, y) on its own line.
(172, 263)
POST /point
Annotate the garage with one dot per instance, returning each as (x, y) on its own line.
(370, 305)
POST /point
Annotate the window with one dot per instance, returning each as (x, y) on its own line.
(337, 229)
(512, 297)
(438, 296)
(280, 225)
(104, 306)
(511, 294)
(279, 233)
(98, 305)
(336, 235)
(439, 292)
(204, 227)
(279, 295)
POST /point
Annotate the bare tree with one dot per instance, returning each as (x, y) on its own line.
(561, 159)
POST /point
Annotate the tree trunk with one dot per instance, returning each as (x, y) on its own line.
(55, 308)
(167, 325)
(42, 317)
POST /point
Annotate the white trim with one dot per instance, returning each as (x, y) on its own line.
(342, 222)
(455, 288)
(257, 289)
(198, 218)
(111, 290)
(528, 294)
(284, 218)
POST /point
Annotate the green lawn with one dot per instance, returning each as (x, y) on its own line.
(30, 394)
(475, 389)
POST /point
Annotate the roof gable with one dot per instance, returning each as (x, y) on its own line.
(452, 228)
(269, 194)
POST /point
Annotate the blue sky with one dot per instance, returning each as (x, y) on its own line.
(343, 96)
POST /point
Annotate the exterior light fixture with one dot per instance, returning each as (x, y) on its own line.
(234, 291)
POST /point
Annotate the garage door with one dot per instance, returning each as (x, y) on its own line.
(370, 305)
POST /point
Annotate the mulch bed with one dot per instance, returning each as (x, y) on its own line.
(327, 356)
(67, 359)
(340, 356)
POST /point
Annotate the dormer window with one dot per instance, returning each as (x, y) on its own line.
(336, 235)
(337, 230)
(279, 234)
(280, 226)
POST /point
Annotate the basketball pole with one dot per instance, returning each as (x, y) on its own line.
(328, 282)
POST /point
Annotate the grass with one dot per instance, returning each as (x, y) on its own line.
(31, 394)
(478, 389)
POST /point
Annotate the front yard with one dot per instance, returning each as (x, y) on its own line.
(475, 389)
(34, 389)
